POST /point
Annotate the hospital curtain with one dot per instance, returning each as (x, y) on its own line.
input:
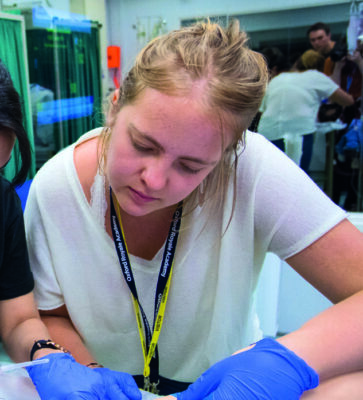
(12, 54)
(67, 62)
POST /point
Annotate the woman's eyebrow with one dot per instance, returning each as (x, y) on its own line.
(145, 136)
(198, 160)
(132, 129)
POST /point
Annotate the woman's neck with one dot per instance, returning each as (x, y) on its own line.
(144, 235)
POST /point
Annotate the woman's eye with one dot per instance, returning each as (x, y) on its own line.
(189, 170)
(142, 148)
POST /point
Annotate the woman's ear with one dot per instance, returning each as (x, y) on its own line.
(113, 99)
(116, 95)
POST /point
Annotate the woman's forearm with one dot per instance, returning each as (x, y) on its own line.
(20, 340)
(63, 332)
(331, 342)
(20, 326)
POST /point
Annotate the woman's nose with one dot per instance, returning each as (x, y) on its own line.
(155, 175)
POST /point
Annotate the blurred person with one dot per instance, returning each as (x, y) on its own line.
(345, 69)
(291, 103)
(320, 38)
(342, 69)
(276, 63)
(276, 60)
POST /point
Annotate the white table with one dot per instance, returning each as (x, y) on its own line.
(17, 385)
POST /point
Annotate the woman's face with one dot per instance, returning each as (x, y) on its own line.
(161, 148)
(7, 141)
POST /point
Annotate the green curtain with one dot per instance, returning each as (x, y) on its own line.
(12, 54)
(67, 62)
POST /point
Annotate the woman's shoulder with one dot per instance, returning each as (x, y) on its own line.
(86, 162)
(261, 157)
(255, 143)
(9, 201)
(88, 135)
(61, 167)
(319, 81)
(314, 73)
(252, 154)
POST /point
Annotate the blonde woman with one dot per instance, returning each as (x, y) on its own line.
(147, 236)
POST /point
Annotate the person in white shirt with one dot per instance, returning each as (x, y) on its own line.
(291, 103)
(147, 236)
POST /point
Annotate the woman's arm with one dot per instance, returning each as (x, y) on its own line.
(342, 98)
(332, 342)
(63, 331)
(20, 327)
(80, 381)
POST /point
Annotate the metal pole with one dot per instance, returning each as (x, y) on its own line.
(58, 86)
(329, 166)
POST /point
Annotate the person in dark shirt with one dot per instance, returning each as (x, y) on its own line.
(21, 330)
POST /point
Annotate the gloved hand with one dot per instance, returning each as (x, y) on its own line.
(119, 385)
(62, 378)
(268, 371)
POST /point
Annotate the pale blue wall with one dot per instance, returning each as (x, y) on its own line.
(261, 17)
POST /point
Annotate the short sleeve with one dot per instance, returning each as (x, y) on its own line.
(47, 291)
(325, 86)
(290, 210)
(16, 278)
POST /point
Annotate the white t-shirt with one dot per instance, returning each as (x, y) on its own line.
(291, 103)
(210, 312)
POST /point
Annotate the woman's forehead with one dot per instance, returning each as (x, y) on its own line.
(186, 111)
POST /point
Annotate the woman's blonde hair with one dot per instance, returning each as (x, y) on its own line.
(234, 76)
(310, 59)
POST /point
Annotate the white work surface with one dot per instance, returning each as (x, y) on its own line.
(17, 385)
(284, 299)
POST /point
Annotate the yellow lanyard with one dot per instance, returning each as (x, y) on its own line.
(162, 287)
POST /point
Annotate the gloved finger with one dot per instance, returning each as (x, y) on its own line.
(123, 379)
(82, 396)
(227, 395)
(200, 389)
(115, 392)
(128, 386)
(120, 383)
(132, 393)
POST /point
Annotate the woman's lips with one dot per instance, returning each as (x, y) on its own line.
(141, 196)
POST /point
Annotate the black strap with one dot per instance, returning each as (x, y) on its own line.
(164, 274)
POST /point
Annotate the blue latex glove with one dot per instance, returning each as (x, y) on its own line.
(269, 371)
(119, 385)
(62, 378)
